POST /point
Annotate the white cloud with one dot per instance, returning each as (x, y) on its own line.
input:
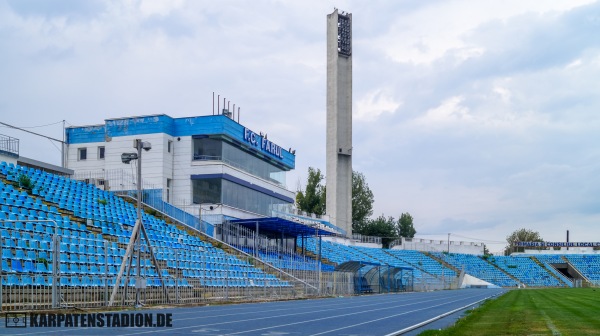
(375, 103)
(477, 114)
(449, 111)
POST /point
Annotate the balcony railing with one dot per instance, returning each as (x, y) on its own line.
(9, 145)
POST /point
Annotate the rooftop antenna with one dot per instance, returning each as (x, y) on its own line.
(218, 101)
(213, 110)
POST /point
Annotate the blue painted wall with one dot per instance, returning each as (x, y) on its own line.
(176, 127)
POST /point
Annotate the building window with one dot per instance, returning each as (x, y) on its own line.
(101, 152)
(82, 154)
(215, 149)
(169, 146)
(215, 191)
(169, 183)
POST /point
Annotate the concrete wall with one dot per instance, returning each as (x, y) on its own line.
(440, 246)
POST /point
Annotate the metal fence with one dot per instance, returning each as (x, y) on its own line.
(50, 268)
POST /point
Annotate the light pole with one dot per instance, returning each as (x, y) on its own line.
(126, 158)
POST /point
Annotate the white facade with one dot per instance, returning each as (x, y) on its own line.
(170, 165)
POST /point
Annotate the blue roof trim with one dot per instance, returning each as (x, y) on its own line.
(245, 184)
(79, 135)
(176, 127)
(281, 225)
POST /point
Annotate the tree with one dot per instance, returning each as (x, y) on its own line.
(523, 235)
(379, 227)
(405, 226)
(486, 252)
(312, 200)
(362, 200)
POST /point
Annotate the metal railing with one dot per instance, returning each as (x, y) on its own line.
(51, 274)
(9, 145)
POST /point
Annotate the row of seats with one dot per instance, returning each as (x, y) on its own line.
(114, 217)
(25, 280)
(526, 270)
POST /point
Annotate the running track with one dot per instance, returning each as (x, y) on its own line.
(361, 315)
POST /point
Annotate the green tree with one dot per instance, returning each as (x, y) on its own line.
(379, 227)
(521, 235)
(486, 252)
(406, 228)
(362, 200)
(312, 200)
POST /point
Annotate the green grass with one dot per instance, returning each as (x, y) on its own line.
(568, 311)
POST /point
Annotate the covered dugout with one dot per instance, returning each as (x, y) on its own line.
(376, 278)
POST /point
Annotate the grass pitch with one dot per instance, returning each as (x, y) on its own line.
(568, 311)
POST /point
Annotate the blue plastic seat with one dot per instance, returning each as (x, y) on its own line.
(40, 280)
(16, 265)
(22, 244)
(29, 266)
(34, 245)
(83, 259)
(183, 283)
(73, 258)
(75, 282)
(41, 268)
(20, 254)
(64, 258)
(74, 269)
(31, 255)
(26, 280)
(11, 280)
(97, 282)
(5, 268)
(86, 281)
(64, 281)
(9, 243)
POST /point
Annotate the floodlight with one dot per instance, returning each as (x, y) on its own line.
(127, 157)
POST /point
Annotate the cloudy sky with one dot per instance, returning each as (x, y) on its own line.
(476, 117)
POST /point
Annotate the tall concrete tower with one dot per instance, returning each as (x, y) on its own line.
(339, 120)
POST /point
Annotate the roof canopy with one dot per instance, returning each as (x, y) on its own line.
(277, 225)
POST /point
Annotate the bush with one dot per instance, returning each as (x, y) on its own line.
(103, 201)
(25, 182)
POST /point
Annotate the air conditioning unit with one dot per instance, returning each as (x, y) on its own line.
(99, 183)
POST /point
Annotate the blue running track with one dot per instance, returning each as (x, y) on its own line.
(378, 315)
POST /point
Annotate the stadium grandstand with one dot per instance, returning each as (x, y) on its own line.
(65, 230)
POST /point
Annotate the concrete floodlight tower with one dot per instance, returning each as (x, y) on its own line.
(339, 119)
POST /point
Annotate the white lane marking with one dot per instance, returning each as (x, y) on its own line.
(361, 312)
(420, 324)
(285, 315)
